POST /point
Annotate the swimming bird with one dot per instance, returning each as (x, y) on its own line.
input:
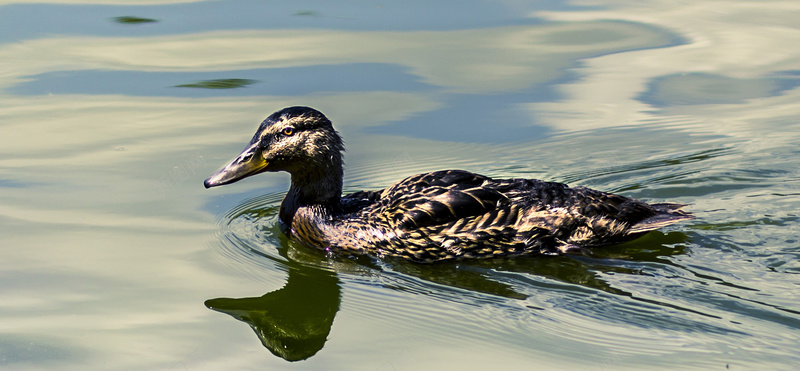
(442, 215)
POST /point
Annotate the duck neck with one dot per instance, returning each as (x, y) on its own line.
(318, 188)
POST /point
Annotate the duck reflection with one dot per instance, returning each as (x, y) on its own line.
(294, 321)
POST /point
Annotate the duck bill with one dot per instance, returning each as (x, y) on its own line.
(249, 162)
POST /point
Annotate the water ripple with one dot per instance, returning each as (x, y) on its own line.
(670, 292)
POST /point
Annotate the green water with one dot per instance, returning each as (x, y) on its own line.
(114, 256)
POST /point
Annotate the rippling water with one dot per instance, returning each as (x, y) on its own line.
(115, 257)
(694, 290)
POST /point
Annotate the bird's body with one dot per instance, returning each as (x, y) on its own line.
(434, 216)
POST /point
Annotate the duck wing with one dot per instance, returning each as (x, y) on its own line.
(438, 198)
(454, 214)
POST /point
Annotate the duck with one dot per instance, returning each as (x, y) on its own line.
(435, 216)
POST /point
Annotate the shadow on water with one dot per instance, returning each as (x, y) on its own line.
(295, 321)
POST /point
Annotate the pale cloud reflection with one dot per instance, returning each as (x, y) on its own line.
(466, 61)
(756, 48)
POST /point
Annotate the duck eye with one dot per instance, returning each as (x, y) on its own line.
(287, 131)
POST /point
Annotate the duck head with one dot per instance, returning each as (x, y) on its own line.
(299, 140)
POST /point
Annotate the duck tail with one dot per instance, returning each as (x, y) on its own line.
(666, 214)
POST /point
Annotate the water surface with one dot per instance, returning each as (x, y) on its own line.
(112, 114)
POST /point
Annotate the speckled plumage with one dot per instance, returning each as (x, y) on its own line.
(428, 217)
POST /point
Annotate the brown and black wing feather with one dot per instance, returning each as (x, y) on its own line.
(438, 198)
(458, 214)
